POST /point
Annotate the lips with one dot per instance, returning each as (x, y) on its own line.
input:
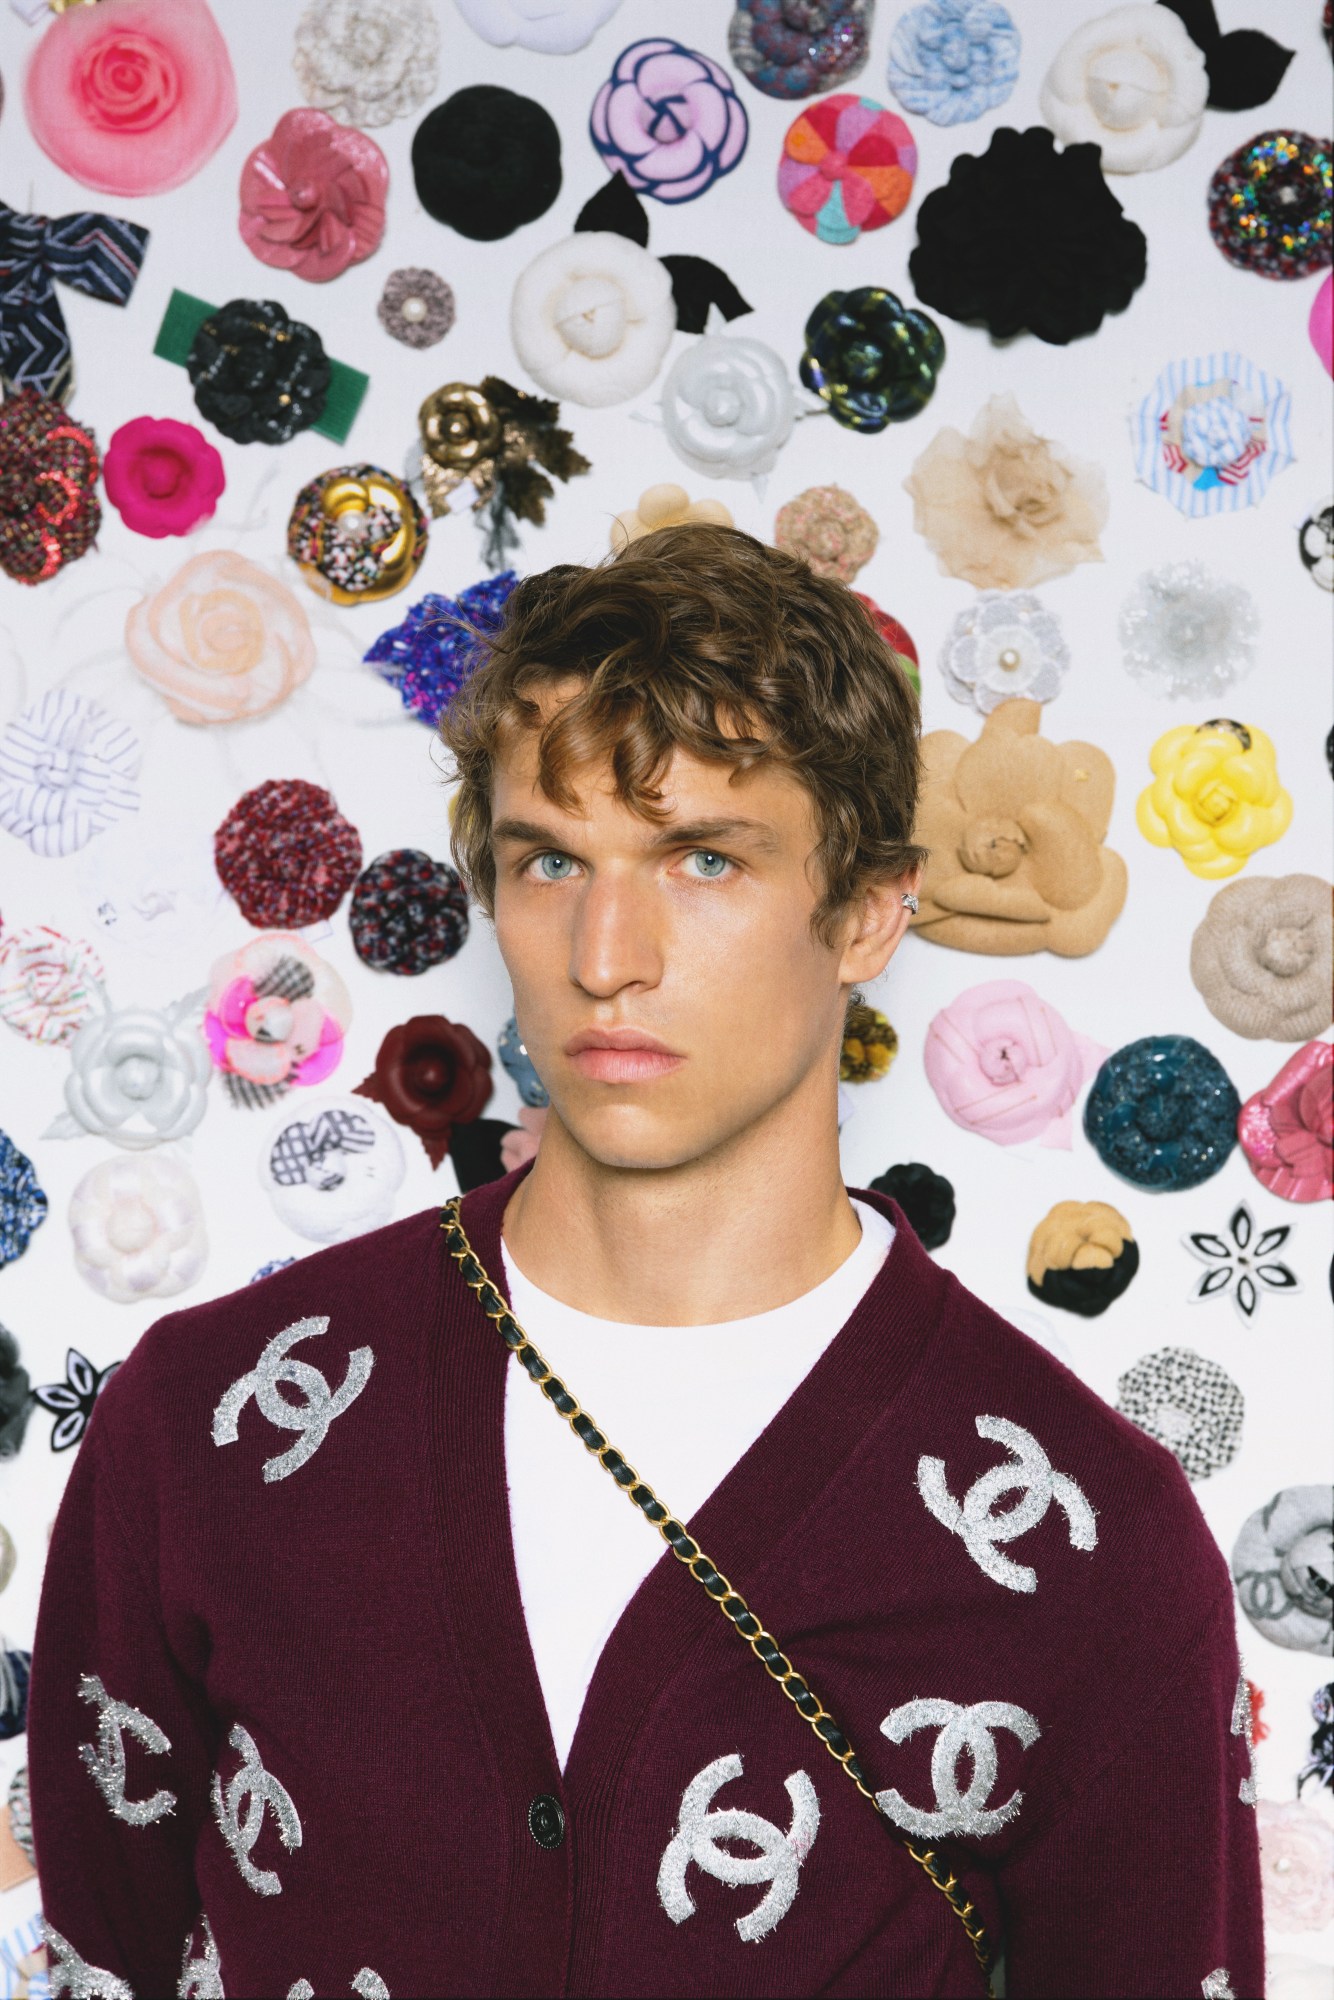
(624, 1065)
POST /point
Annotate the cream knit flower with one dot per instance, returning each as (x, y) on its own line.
(592, 317)
(1134, 83)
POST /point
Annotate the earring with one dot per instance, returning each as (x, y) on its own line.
(909, 902)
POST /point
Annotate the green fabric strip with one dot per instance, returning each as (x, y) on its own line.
(184, 317)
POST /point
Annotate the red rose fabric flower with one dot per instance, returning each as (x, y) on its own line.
(163, 478)
(431, 1075)
(286, 854)
(313, 195)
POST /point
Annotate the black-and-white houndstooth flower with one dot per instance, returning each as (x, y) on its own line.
(1242, 1263)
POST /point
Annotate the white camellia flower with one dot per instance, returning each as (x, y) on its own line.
(552, 27)
(592, 318)
(332, 1170)
(138, 1228)
(1006, 646)
(138, 1076)
(728, 407)
(1132, 82)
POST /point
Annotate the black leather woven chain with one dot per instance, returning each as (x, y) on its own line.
(687, 1550)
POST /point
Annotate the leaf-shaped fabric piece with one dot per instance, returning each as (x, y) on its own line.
(1273, 1239)
(696, 285)
(1245, 1298)
(1210, 1247)
(1278, 1277)
(81, 1372)
(1215, 1281)
(618, 209)
(69, 1430)
(1241, 1225)
(1245, 68)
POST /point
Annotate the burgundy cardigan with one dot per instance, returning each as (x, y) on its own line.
(282, 1684)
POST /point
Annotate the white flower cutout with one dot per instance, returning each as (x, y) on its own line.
(1242, 1263)
(1004, 647)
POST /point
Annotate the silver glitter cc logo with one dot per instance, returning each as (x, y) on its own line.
(313, 1417)
(1243, 1724)
(240, 1811)
(961, 1729)
(980, 1529)
(72, 1975)
(106, 1763)
(699, 1830)
(367, 1983)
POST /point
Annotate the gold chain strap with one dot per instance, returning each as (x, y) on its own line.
(686, 1550)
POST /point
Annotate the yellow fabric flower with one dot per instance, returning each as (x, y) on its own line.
(1215, 796)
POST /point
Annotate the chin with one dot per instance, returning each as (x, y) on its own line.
(631, 1138)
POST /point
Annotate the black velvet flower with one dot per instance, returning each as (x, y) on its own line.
(926, 1198)
(872, 359)
(258, 375)
(15, 1395)
(1022, 236)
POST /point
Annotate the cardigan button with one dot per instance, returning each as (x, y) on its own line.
(546, 1820)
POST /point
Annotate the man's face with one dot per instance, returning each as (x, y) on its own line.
(693, 932)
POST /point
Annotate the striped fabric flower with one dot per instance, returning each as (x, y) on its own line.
(67, 771)
(47, 983)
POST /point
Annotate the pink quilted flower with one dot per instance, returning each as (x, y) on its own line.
(163, 478)
(276, 1017)
(1287, 1129)
(669, 120)
(313, 195)
(1006, 1065)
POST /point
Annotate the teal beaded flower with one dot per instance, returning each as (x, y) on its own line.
(872, 359)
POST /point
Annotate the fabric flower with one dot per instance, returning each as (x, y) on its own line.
(1004, 508)
(1187, 1403)
(952, 60)
(1240, 1263)
(1296, 1865)
(49, 510)
(592, 317)
(872, 359)
(67, 771)
(1263, 957)
(1270, 205)
(430, 1075)
(829, 530)
(1081, 1257)
(15, 1408)
(133, 96)
(1022, 236)
(1212, 433)
(1004, 1064)
(520, 1143)
(335, 1173)
(1133, 83)
(666, 506)
(1162, 1113)
(1286, 1130)
(163, 478)
(407, 913)
(72, 1401)
(1320, 324)
(1315, 545)
(99, 255)
(22, 1201)
(497, 437)
(1215, 796)
(796, 48)
(518, 1066)
(151, 885)
(277, 1015)
(138, 1227)
(221, 641)
(669, 120)
(926, 1198)
(486, 161)
(1015, 828)
(1003, 645)
(439, 645)
(550, 27)
(1283, 1567)
(847, 165)
(259, 376)
(897, 638)
(313, 196)
(727, 407)
(357, 534)
(48, 983)
(137, 1076)
(869, 1046)
(416, 306)
(366, 61)
(1185, 631)
(286, 854)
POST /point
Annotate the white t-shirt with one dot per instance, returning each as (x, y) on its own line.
(683, 1403)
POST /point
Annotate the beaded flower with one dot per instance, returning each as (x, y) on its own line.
(313, 196)
(1006, 644)
(138, 1228)
(67, 771)
(1081, 1257)
(669, 120)
(952, 60)
(1162, 1113)
(437, 646)
(407, 912)
(1187, 1403)
(367, 61)
(829, 530)
(276, 1018)
(1023, 236)
(48, 983)
(869, 1045)
(22, 1202)
(286, 854)
(1263, 957)
(1215, 796)
(357, 534)
(221, 640)
(1241, 1265)
(1133, 83)
(1212, 433)
(872, 359)
(259, 376)
(1185, 631)
(49, 509)
(1270, 205)
(1283, 1567)
(163, 478)
(518, 1066)
(137, 1076)
(431, 1075)
(926, 1198)
(847, 165)
(1286, 1130)
(728, 407)
(416, 306)
(796, 48)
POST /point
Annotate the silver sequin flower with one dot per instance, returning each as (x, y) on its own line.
(1187, 1403)
(1185, 631)
(106, 1762)
(965, 1731)
(1004, 647)
(1241, 1263)
(72, 1976)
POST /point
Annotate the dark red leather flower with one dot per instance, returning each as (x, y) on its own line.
(431, 1075)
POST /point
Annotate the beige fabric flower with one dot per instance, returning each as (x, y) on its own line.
(1134, 83)
(665, 506)
(828, 529)
(1004, 508)
(221, 641)
(1263, 958)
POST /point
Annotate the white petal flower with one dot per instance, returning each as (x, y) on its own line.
(592, 318)
(1132, 82)
(728, 407)
(1005, 646)
(138, 1076)
(367, 61)
(138, 1228)
(552, 27)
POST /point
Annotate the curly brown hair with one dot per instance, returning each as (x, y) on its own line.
(704, 639)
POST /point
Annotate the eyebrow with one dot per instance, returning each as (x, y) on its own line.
(691, 833)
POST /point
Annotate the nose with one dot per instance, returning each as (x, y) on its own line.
(615, 942)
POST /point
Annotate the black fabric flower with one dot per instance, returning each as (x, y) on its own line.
(926, 1198)
(486, 161)
(1022, 236)
(15, 1395)
(71, 1401)
(259, 376)
(872, 359)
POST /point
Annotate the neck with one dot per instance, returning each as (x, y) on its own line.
(749, 1226)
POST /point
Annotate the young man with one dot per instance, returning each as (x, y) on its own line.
(357, 1666)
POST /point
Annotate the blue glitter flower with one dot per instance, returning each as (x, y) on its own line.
(1162, 1113)
(518, 1065)
(22, 1202)
(951, 60)
(435, 649)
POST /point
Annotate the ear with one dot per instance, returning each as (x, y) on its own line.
(878, 928)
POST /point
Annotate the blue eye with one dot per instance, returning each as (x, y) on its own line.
(559, 872)
(706, 854)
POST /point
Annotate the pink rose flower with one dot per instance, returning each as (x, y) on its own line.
(131, 96)
(221, 640)
(163, 478)
(1287, 1129)
(312, 196)
(1296, 1866)
(276, 1017)
(669, 120)
(1005, 1065)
